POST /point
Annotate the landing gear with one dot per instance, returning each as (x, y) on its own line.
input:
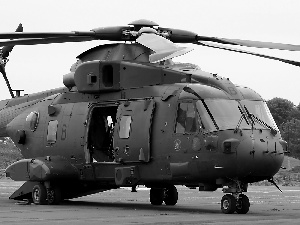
(242, 204)
(236, 201)
(43, 196)
(39, 194)
(169, 195)
(156, 196)
(231, 204)
(228, 204)
(53, 196)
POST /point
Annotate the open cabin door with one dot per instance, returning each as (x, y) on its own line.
(132, 134)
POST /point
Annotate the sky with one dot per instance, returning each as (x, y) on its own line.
(41, 67)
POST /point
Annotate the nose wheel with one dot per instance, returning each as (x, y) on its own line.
(228, 204)
(235, 203)
(242, 204)
(234, 200)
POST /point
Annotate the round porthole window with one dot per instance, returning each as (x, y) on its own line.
(32, 120)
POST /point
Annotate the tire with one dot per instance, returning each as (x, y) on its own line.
(170, 195)
(243, 204)
(156, 196)
(228, 204)
(39, 194)
(54, 196)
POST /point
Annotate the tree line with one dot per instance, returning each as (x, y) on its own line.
(287, 118)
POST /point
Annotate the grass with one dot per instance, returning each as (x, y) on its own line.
(9, 154)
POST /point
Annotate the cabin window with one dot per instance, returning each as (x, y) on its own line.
(108, 75)
(52, 131)
(186, 121)
(125, 126)
(32, 120)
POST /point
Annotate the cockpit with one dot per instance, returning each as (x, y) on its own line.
(221, 113)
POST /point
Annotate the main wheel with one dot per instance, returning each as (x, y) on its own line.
(242, 204)
(39, 194)
(53, 196)
(156, 196)
(228, 204)
(171, 195)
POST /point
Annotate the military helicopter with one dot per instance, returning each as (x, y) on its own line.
(128, 115)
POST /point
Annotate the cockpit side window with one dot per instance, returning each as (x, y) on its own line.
(207, 124)
(186, 121)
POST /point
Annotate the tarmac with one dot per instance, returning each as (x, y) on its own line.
(121, 206)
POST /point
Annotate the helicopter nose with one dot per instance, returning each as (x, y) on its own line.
(259, 157)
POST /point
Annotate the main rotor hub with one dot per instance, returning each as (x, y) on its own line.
(138, 24)
(147, 30)
(142, 26)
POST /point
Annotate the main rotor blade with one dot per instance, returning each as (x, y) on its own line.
(44, 34)
(183, 36)
(261, 44)
(36, 41)
(7, 49)
(248, 43)
(295, 63)
(103, 33)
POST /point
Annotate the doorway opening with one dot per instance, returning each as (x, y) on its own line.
(100, 133)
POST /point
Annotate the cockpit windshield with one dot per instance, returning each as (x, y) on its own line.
(223, 114)
(260, 111)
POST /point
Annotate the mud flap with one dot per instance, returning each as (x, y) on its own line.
(24, 192)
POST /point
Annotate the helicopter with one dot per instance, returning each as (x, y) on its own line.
(128, 115)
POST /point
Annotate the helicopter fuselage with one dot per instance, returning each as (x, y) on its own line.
(167, 133)
(122, 123)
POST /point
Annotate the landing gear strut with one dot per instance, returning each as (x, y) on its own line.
(236, 201)
(169, 195)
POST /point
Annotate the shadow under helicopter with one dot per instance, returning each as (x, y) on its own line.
(132, 205)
